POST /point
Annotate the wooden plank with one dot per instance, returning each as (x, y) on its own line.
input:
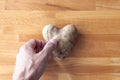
(50, 5)
(108, 5)
(8, 37)
(106, 61)
(64, 76)
(81, 77)
(88, 14)
(2, 4)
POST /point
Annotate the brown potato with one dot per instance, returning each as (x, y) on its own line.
(65, 36)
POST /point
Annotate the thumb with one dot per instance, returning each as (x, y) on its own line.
(49, 47)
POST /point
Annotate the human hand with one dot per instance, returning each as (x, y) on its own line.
(32, 59)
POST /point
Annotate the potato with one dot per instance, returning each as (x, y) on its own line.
(65, 36)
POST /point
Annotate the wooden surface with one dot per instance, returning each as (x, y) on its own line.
(96, 55)
(107, 4)
(50, 5)
(60, 5)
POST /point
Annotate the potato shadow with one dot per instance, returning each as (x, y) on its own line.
(78, 46)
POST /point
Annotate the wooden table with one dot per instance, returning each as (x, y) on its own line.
(96, 55)
(76, 5)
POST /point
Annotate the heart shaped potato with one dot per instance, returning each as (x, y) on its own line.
(65, 36)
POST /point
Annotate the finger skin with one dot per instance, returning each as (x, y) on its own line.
(48, 48)
(31, 43)
(34, 45)
(30, 64)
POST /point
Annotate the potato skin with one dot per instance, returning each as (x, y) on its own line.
(65, 36)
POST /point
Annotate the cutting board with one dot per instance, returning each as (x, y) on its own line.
(95, 56)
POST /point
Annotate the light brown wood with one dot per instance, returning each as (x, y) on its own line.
(108, 4)
(50, 5)
(2, 4)
(96, 55)
(60, 5)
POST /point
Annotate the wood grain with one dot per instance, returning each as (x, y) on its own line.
(50, 5)
(2, 4)
(108, 4)
(72, 5)
(96, 55)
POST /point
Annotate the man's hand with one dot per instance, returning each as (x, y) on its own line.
(32, 59)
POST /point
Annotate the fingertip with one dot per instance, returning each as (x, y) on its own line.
(50, 45)
(31, 42)
(53, 41)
